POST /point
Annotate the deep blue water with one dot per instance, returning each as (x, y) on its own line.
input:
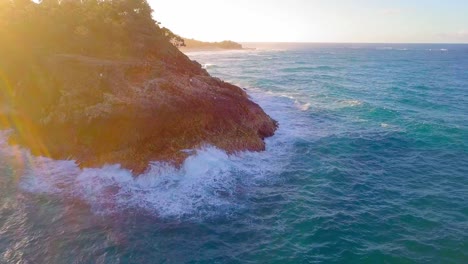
(370, 165)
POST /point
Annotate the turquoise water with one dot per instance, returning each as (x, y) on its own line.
(370, 165)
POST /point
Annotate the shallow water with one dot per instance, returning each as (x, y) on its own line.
(369, 165)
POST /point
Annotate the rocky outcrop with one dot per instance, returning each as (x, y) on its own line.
(132, 112)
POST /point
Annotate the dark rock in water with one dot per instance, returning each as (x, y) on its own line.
(132, 112)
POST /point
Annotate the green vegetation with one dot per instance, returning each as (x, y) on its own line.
(103, 28)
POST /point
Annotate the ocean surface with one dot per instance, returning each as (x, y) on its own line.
(369, 165)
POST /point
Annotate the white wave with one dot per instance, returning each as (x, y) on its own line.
(208, 183)
(443, 50)
(351, 103)
(285, 95)
(204, 181)
(208, 65)
(392, 127)
(302, 106)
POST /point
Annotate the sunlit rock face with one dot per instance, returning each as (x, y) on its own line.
(132, 112)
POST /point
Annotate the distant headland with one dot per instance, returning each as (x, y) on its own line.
(196, 45)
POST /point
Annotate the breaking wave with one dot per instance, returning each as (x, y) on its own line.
(208, 183)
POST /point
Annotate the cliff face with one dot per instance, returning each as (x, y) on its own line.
(132, 112)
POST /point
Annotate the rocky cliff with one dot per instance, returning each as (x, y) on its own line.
(132, 112)
(101, 82)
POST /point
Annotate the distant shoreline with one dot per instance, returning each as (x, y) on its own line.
(184, 49)
(192, 45)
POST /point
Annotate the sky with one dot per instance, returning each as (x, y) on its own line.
(369, 21)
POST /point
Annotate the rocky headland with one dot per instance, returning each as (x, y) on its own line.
(150, 104)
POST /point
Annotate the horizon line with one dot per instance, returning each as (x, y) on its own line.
(331, 42)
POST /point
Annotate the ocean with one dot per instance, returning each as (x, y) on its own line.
(369, 165)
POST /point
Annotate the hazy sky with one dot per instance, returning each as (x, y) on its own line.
(316, 20)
